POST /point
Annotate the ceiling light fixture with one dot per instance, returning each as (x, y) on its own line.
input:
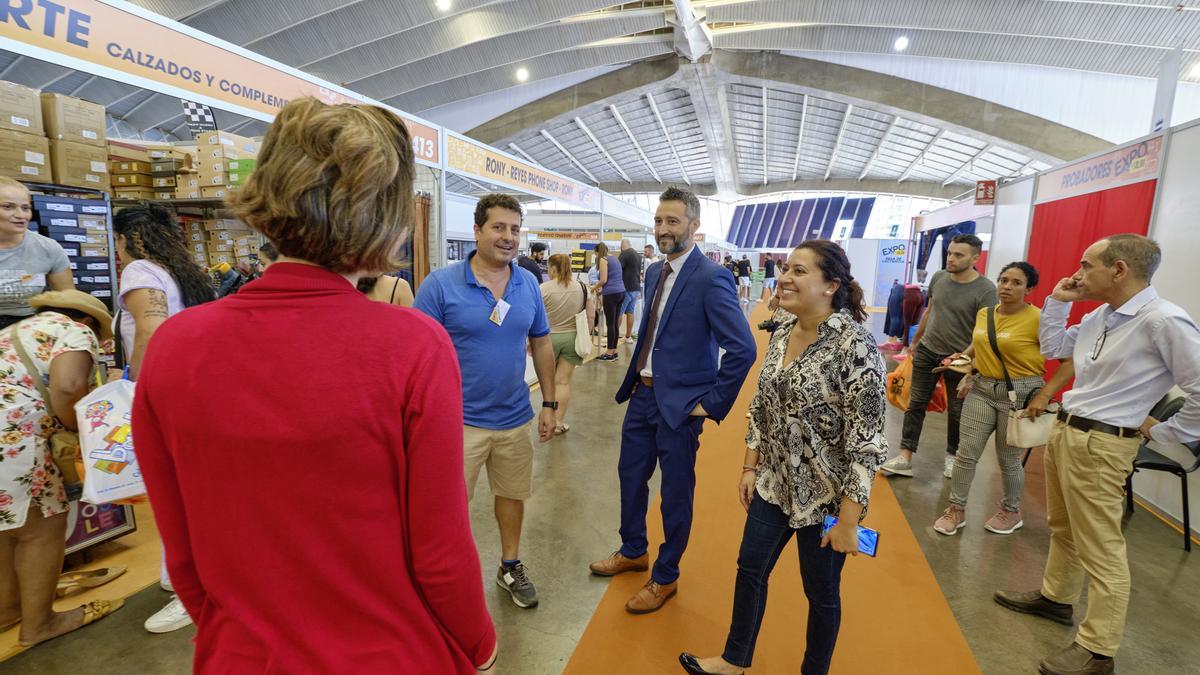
(443, 5)
(901, 43)
(522, 74)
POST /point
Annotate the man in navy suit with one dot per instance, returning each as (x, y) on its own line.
(673, 384)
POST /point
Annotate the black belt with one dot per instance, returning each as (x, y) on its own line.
(1084, 424)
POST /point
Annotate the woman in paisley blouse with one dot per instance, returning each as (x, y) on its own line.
(815, 441)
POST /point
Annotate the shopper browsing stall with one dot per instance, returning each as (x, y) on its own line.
(158, 280)
(57, 346)
(29, 262)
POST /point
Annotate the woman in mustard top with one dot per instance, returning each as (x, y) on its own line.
(987, 404)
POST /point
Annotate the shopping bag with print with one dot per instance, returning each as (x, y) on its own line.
(899, 387)
(106, 444)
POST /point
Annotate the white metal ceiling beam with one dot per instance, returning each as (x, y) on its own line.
(632, 139)
(16, 62)
(241, 124)
(76, 90)
(1021, 171)
(596, 141)
(159, 124)
(138, 107)
(921, 157)
(546, 134)
(56, 80)
(670, 143)
(800, 137)
(837, 145)
(516, 148)
(879, 148)
(969, 162)
(764, 135)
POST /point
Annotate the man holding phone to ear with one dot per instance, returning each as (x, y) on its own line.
(1127, 355)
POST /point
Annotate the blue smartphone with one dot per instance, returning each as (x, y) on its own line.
(868, 539)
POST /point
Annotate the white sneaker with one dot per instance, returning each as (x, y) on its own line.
(165, 584)
(948, 464)
(897, 466)
(169, 618)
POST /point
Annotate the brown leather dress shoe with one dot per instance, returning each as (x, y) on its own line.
(1033, 602)
(616, 564)
(652, 596)
(1075, 660)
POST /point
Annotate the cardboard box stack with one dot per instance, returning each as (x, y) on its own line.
(225, 241)
(225, 160)
(81, 227)
(24, 150)
(78, 141)
(163, 171)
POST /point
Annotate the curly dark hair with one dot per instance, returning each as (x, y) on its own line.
(151, 233)
(1030, 272)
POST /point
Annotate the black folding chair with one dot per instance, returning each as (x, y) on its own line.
(1149, 460)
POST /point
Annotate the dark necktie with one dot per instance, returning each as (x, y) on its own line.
(652, 323)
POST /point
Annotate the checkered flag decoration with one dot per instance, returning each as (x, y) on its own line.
(200, 117)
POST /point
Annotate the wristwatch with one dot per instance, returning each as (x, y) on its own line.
(553, 405)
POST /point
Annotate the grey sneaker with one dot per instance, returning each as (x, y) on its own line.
(897, 466)
(1033, 602)
(516, 581)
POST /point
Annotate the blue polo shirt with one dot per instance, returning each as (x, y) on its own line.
(491, 357)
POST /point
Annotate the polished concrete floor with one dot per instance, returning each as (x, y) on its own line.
(572, 519)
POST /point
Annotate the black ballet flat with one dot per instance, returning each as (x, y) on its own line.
(692, 665)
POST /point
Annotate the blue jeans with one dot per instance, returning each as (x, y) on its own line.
(630, 303)
(767, 533)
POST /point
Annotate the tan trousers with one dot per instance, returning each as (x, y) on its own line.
(1085, 499)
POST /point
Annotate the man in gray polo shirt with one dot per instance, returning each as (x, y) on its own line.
(956, 295)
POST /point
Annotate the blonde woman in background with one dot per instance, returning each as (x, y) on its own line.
(564, 298)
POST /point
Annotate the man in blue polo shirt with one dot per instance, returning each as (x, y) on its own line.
(492, 308)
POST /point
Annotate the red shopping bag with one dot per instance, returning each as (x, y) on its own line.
(899, 387)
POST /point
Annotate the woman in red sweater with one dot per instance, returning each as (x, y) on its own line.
(316, 522)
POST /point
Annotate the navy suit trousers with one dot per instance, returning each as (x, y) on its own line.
(646, 440)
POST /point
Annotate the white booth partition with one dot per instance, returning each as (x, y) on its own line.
(1175, 225)
(1010, 227)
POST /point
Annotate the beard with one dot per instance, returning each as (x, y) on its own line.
(668, 245)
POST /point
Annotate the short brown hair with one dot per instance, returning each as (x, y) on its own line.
(334, 186)
(495, 199)
(1141, 254)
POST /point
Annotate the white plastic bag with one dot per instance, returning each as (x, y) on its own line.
(111, 471)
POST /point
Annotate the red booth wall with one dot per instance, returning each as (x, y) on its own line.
(1062, 230)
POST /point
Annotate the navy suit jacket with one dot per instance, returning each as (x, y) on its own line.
(701, 315)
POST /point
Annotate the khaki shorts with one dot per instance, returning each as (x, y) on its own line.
(508, 455)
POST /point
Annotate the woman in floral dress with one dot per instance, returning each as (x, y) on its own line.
(60, 342)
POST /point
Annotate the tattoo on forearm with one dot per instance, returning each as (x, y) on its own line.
(156, 305)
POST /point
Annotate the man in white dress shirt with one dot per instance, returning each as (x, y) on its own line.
(1128, 354)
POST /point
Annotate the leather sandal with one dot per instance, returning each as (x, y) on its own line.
(77, 582)
(98, 609)
(692, 665)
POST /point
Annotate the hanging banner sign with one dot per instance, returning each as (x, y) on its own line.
(1130, 164)
(985, 192)
(122, 42)
(470, 158)
(561, 234)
